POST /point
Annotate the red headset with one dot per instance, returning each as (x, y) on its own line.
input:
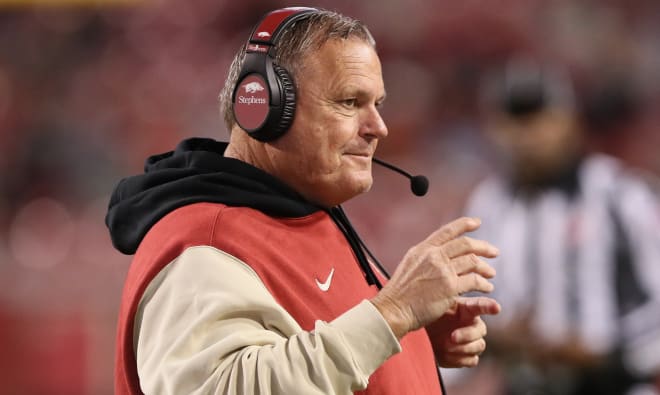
(264, 98)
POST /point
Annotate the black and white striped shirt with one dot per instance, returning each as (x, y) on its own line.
(583, 263)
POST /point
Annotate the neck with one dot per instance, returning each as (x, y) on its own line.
(246, 149)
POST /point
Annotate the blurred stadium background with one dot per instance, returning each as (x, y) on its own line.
(89, 88)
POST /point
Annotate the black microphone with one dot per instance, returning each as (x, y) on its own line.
(419, 184)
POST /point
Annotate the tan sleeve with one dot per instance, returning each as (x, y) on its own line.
(207, 325)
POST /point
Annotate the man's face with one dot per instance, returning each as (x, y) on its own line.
(326, 155)
(540, 144)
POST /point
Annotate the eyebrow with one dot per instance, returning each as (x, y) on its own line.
(359, 92)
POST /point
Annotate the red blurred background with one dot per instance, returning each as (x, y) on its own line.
(88, 89)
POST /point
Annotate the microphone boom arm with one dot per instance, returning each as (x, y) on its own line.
(419, 185)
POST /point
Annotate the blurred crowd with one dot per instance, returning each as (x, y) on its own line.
(88, 89)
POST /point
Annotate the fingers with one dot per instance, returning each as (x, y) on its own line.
(463, 355)
(436, 271)
(467, 245)
(473, 282)
(469, 334)
(472, 264)
(459, 361)
(473, 274)
(476, 347)
(453, 229)
(477, 305)
(466, 345)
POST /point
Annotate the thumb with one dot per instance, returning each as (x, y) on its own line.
(476, 306)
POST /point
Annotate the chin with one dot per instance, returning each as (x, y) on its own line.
(347, 192)
(366, 187)
(362, 186)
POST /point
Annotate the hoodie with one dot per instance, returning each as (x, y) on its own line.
(196, 171)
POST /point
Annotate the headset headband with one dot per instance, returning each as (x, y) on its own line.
(268, 31)
(264, 95)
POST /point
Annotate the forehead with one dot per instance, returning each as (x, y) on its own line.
(342, 61)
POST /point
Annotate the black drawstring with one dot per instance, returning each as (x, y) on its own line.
(357, 245)
(364, 245)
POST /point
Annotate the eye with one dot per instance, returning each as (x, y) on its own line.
(350, 103)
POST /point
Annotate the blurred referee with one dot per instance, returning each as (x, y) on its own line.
(579, 235)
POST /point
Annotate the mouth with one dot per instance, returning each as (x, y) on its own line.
(359, 154)
(363, 158)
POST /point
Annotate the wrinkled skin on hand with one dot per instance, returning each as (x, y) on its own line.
(428, 282)
(458, 336)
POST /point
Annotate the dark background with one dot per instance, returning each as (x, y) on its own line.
(89, 89)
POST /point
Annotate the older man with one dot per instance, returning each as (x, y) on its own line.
(248, 277)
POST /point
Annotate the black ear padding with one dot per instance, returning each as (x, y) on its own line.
(264, 98)
(288, 101)
(281, 109)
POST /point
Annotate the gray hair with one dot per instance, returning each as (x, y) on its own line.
(294, 44)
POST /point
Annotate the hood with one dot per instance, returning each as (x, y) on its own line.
(196, 171)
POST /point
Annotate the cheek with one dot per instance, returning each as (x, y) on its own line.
(327, 149)
(323, 139)
(328, 161)
(312, 158)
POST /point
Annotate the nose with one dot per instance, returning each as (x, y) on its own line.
(372, 124)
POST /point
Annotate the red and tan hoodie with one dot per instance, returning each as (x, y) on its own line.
(263, 296)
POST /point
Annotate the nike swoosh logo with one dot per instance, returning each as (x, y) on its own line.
(324, 286)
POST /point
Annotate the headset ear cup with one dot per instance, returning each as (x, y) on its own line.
(288, 107)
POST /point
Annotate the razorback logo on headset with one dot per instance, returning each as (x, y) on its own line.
(264, 98)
